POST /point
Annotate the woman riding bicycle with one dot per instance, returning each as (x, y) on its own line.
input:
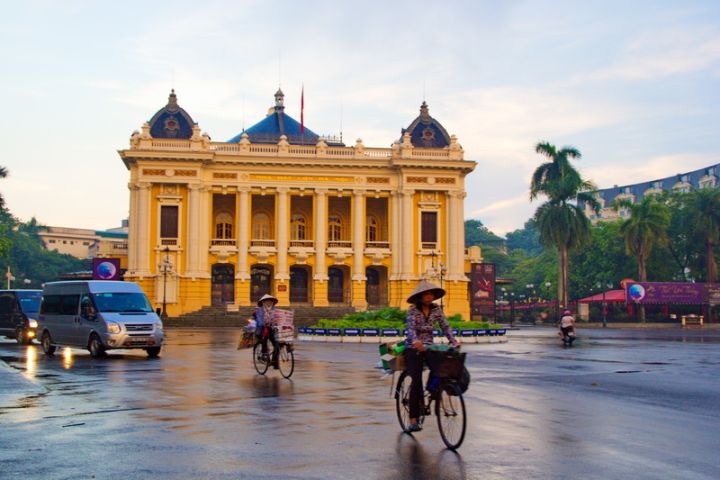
(421, 318)
(263, 325)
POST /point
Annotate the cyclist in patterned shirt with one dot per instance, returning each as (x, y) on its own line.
(421, 319)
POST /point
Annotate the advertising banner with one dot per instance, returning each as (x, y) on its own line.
(482, 289)
(106, 269)
(669, 293)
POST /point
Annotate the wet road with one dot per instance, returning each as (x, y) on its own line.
(620, 404)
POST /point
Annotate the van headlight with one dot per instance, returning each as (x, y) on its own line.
(113, 328)
(32, 323)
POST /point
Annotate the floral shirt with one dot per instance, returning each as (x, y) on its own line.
(420, 327)
(263, 316)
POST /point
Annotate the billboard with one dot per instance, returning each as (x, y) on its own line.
(106, 269)
(672, 293)
(482, 289)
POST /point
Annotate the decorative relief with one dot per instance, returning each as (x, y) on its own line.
(296, 178)
(169, 189)
(429, 197)
(224, 175)
(417, 179)
(378, 180)
(154, 171)
(186, 173)
(445, 180)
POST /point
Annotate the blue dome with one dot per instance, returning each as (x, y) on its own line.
(426, 132)
(171, 121)
(278, 123)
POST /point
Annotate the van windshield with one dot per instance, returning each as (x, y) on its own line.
(29, 301)
(122, 302)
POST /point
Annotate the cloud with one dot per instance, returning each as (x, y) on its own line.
(650, 56)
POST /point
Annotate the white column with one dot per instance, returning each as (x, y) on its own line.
(395, 232)
(143, 229)
(193, 243)
(460, 228)
(407, 248)
(321, 214)
(204, 232)
(244, 234)
(358, 234)
(132, 230)
(283, 220)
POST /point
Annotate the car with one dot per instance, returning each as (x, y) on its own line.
(98, 315)
(18, 314)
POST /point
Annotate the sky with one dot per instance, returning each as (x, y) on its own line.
(634, 85)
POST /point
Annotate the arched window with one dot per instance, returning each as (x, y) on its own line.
(261, 227)
(224, 226)
(371, 229)
(335, 227)
(297, 227)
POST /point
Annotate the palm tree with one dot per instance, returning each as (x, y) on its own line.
(561, 221)
(3, 174)
(643, 230)
(705, 220)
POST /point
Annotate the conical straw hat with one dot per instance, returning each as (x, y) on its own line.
(267, 296)
(425, 286)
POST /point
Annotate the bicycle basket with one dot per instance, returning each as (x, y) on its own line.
(446, 364)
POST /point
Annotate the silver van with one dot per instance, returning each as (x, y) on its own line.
(98, 315)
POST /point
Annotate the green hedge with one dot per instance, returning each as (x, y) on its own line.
(391, 318)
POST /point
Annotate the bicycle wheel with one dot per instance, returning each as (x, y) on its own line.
(402, 400)
(450, 413)
(286, 361)
(260, 365)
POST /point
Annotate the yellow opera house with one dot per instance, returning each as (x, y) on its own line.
(279, 209)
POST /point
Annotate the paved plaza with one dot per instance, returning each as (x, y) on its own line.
(620, 404)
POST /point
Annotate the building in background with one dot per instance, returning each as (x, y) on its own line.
(684, 182)
(85, 243)
(279, 209)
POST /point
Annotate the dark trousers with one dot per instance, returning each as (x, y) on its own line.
(264, 341)
(414, 361)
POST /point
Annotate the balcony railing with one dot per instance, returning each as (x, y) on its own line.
(428, 245)
(382, 245)
(339, 244)
(301, 243)
(262, 243)
(168, 241)
(222, 242)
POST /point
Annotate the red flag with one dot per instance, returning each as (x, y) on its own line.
(302, 111)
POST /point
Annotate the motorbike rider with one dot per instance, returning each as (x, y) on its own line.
(567, 324)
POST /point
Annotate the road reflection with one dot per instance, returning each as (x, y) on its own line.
(30, 362)
(416, 461)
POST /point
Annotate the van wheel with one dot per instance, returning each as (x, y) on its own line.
(47, 346)
(20, 336)
(96, 347)
(153, 352)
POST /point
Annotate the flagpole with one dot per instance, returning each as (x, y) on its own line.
(302, 114)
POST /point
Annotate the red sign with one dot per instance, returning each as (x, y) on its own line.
(482, 289)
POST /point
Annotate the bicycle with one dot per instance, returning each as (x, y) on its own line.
(443, 389)
(285, 355)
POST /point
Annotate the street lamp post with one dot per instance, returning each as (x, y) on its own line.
(165, 267)
(512, 307)
(443, 271)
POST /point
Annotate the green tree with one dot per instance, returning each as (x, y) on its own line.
(526, 239)
(478, 234)
(704, 218)
(645, 228)
(3, 174)
(561, 221)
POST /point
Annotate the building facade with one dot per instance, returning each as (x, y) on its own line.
(278, 209)
(86, 243)
(682, 182)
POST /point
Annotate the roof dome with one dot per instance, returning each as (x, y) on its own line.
(426, 132)
(171, 121)
(277, 123)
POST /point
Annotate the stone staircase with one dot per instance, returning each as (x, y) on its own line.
(220, 317)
